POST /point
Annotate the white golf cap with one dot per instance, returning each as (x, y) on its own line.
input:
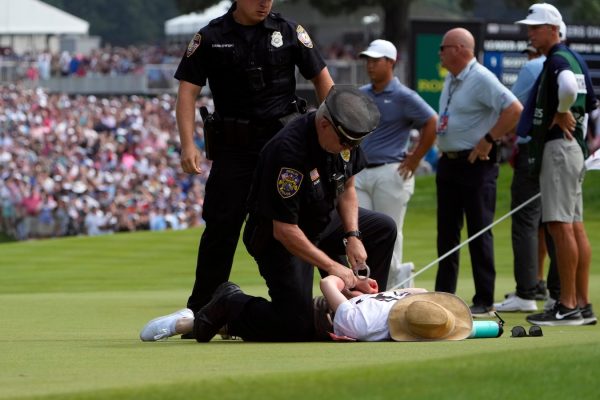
(542, 14)
(380, 48)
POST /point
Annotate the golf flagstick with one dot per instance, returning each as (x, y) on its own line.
(425, 268)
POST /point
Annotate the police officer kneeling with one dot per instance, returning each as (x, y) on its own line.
(302, 206)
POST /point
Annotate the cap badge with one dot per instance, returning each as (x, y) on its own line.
(276, 39)
(288, 182)
(303, 37)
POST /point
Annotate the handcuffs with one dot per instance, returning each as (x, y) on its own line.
(358, 268)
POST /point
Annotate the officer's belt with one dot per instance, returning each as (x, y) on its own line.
(242, 131)
(457, 155)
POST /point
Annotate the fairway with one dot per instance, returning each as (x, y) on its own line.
(71, 310)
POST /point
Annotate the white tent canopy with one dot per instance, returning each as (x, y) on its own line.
(191, 23)
(34, 17)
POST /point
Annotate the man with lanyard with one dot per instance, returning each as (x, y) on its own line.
(557, 154)
(475, 111)
(248, 57)
(387, 183)
(303, 213)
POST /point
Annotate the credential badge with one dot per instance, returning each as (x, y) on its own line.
(288, 182)
(276, 39)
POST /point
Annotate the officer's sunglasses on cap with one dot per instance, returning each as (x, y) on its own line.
(346, 138)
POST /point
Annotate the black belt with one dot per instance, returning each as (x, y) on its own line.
(375, 165)
(457, 155)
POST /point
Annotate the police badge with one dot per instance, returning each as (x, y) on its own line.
(288, 182)
(345, 154)
(303, 37)
(277, 39)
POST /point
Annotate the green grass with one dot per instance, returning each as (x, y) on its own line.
(71, 310)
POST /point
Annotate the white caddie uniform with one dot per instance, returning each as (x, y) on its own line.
(365, 317)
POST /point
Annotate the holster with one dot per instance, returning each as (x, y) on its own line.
(211, 133)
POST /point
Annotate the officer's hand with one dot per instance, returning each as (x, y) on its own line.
(190, 160)
(408, 166)
(345, 274)
(566, 122)
(355, 250)
(481, 151)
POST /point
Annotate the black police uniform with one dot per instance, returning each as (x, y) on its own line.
(297, 182)
(251, 74)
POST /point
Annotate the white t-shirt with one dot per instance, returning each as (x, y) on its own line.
(365, 317)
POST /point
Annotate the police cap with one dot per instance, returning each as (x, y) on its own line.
(353, 114)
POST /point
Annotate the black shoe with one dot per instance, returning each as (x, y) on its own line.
(189, 335)
(559, 315)
(213, 316)
(479, 311)
(589, 318)
(540, 291)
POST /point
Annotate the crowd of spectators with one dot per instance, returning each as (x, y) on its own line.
(105, 61)
(112, 61)
(88, 165)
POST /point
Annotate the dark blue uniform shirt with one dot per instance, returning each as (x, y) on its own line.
(295, 179)
(250, 70)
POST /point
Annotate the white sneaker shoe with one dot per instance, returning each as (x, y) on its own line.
(163, 327)
(400, 274)
(515, 303)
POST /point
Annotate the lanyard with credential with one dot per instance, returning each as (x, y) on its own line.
(443, 124)
(454, 84)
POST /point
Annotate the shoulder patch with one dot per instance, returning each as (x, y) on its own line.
(194, 44)
(288, 182)
(303, 37)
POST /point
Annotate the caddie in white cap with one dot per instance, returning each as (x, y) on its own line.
(557, 151)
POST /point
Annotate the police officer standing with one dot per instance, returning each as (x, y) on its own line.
(248, 57)
(304, 213)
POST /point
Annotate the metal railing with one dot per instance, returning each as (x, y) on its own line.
(155, 79)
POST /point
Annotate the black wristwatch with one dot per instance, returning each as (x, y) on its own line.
(488, 138)
(356, 234)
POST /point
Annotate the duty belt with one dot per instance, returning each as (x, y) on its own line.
(457, 155)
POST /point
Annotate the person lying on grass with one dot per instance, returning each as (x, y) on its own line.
(411, 314)
(363, 314)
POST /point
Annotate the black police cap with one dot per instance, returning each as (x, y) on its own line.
(353, 113)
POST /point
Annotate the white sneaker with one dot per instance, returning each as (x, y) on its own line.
(401, 273)
(515, 303)
(549, 303)
(163, 327)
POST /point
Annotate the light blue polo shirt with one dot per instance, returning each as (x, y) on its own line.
(524, 83)
(402, 109)
(476, 101)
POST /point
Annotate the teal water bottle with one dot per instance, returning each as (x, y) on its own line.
(486, 329)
